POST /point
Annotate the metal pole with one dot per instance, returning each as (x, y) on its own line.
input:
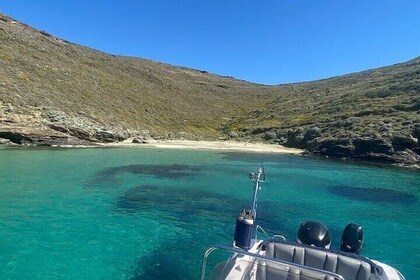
(256, 188)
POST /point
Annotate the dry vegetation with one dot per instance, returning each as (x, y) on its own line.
(40, 73)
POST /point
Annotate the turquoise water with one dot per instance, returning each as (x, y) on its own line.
(150, 213)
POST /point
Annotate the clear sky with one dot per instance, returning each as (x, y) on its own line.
(264, 41)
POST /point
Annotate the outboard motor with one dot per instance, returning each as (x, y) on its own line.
(352, 239)
(243, 230)
(314, 234)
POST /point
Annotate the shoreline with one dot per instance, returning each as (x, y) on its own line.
(217, 145)
(209, 145)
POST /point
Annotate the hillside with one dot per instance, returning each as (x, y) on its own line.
(371, 115)
(56, 92)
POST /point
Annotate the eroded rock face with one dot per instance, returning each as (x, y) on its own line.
(4, 141)
(270, 135)
(15, 137)
(402, 142)
(109, 136)
(37, 137)
(232, 135)
(46, 127)
(312, 133)
(335, 147)
(416, 130)
(385, 147)
(407, 156)
(366, 145)
(295, 138)
(81, 127)
(301, 137)
(370, 149)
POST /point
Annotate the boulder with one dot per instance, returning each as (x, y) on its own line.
(281, 140)
(270, 135)
(416, 131)
(344, 123)
(259, 130)
(137, 140)
(59, 128)
(301, 137)
(407, 157)
(108, 136)
(364, 145)
(376, 157)
(149, 141)
(81, 134)
(312, 133)
(232, 135)
(4, 141)
(168, 136)
(336, 147)
(182, 135)
(402, 142)
(15, 137)
(40, 138)
(295, 138)
(338, 151)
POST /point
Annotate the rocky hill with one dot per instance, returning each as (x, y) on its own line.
(371, 115)
(56, 92)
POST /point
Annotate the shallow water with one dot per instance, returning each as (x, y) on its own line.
(148, 213)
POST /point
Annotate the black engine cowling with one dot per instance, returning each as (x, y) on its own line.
(314, 234)
(352, 239)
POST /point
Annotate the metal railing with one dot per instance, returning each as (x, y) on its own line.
(257, 257)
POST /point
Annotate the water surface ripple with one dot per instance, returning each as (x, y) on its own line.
(150, 213)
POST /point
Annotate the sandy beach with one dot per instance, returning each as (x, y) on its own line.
(211, 145)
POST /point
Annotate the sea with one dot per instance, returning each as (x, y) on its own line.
(150, 213)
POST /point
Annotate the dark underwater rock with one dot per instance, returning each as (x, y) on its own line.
(181, 203)
(173, 171)
(380, 195)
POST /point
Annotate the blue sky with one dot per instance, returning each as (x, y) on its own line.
(266, 41)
